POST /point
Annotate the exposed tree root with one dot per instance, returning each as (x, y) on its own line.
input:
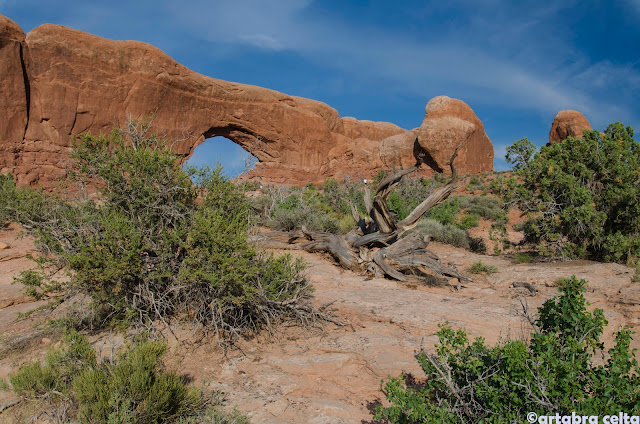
(378, 247)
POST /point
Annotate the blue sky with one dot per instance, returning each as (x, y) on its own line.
(516, 63)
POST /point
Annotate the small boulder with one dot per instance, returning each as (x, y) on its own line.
(568, 123)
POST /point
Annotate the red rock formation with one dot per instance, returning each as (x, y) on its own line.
(568, 123)
(448, 123)
(13, 100)
(77, 82)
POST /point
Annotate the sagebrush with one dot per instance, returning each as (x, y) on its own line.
(155, 243)
(74, 383)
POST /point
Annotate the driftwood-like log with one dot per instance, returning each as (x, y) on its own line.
(334, 244)
(378, 247)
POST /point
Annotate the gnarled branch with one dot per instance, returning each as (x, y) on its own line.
(378, 246)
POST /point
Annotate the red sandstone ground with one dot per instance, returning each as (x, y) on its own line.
(334, 375)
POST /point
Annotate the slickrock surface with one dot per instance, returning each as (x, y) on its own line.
(334, 376)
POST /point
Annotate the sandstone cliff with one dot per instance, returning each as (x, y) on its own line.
(60, 82)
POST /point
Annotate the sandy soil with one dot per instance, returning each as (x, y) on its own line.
(334, 376)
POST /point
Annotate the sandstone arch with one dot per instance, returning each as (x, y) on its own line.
(61, 82)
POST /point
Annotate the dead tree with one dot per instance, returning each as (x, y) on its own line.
(377, 247)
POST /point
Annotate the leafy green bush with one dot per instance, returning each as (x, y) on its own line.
(7, 188)
(486, 207)
(520, 153)
(477, 245)
(446, 212)
(132, 387)
(469, 220)
(409, 194)
(583, 196)
(449, 234)
(149, 249)
(338, 195)
(480, 267)
(293, 208)
(294, 219)
(476, 182)
(557, 371)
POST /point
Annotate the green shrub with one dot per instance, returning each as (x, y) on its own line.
(520, 153)
(484, 206)
(469, 220)
(295, 219)
(408, 194)
(582, 195)
(446, 212)
(7, 190)
(507, 189)
(449, 234)
(475, 183)
(480, 267)
(293, 208)
(337, 196)
(559, 371)
(132, 387)
(287, 219)
(524, 257)
(148, 250)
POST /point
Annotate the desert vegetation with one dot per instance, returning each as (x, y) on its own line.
(155, 244)
(150, 246)
(328, 208)
(560, 369)
(129, 386)
(581, 196)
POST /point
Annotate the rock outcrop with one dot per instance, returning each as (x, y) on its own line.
(568, 123)
(448, 123)
(14, 95)
(60, 82)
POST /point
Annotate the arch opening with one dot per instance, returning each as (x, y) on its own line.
(235, 160)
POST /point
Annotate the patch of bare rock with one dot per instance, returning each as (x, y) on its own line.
(333, 376)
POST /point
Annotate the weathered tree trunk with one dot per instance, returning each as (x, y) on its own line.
(377, 246)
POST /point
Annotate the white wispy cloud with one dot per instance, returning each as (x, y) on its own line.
(493, 53)
(265, 24)
(4, 4)
(518, 66)
(635, 4)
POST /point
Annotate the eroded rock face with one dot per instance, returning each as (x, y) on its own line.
(568, 123)
(448, 123)
(13, 93)
(63, 82)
